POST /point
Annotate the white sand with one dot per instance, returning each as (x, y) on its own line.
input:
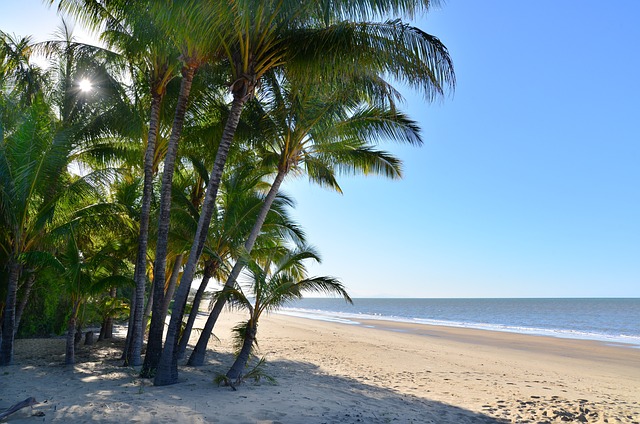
(338, 373)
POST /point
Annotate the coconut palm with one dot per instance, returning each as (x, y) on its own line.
(128, 27)
(239, 202)
(35, 189)
(33, 156)
(249, 34)
(144, 39)
(82, 274)
(269, 288)
(17, 74)
(320, 131)
(143, 42)
(259, 37)
(37, 143)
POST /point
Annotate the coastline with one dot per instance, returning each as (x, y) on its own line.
(335, 373)
(608, 320)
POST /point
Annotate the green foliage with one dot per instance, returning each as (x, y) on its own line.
(256, 373)
(46, 314)
(311, 77)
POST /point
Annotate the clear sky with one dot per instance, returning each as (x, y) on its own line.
(528, 184)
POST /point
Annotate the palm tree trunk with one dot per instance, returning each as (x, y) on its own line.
(154, 343)
(25, 299)
(103, 330)
(9, 321)
(69, 357)
(134, 353)
(147, 312)
(186, 334)
(106, 329)
(168, 366)
(173, 280)
(127, 341)
(198, 354)
(235, 373)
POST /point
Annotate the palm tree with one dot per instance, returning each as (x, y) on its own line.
(321, 130)
(128, 27)
(269, 289)
(143, 43)
(180, 20)
(76, 279)
(266, 36)
(17, 74)
(84, 273)
(32, 157)
(239, 203)
(35, 191)
(37, 143)
(250, 38)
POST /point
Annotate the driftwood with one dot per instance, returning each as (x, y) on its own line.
(27, 402)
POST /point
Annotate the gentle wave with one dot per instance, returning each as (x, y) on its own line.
(356, 318)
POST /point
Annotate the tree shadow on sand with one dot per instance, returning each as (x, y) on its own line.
(98, 389)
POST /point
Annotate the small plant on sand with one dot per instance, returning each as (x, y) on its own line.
(257, 373)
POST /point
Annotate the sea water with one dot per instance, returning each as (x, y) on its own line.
(607, 320)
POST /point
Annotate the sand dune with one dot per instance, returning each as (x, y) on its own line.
(378, 372)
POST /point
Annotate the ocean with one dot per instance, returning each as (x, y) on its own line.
(606, 320)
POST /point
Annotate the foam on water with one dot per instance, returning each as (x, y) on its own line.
(570, 324)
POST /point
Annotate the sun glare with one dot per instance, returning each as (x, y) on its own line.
(85, 85)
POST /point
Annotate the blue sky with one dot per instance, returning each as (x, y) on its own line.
(528, 184)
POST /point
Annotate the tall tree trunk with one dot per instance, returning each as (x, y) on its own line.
(235, 373)
(168, 366)
(70, 352)
(113, 293)
(186, 334)
(25, 299)
(154, 343)
(9, 319)
(127, 341)
(197, 356)
(199, 351)
(171, 287)
(106, 329)
(147, 311)
(103, 330)
(134, 353)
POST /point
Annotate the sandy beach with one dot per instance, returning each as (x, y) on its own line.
(377, 372)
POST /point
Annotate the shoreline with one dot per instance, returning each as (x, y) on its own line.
(336, 373)
(582, 349)
(357, 319)
(480, 335)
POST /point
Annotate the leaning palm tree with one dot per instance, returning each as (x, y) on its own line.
(239, 203)
(269, 288)
(259, 37)
(320, 131)
(132, 31)
(181, 18)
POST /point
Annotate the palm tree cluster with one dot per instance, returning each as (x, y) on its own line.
(114, 197)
